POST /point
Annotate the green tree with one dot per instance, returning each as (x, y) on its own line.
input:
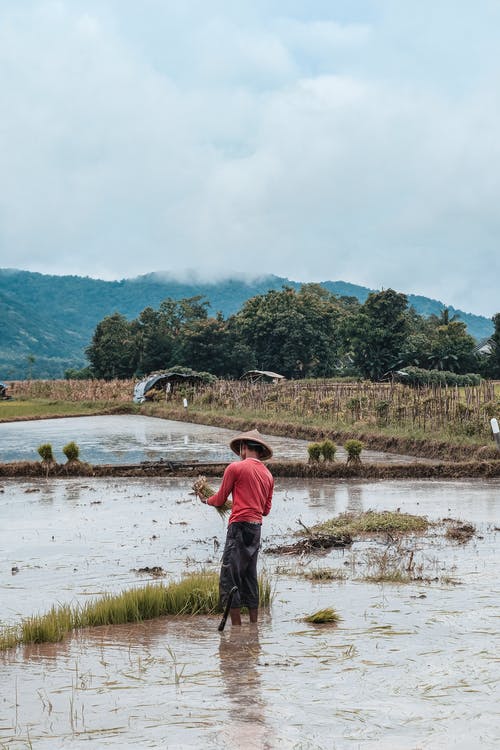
(154, 341)
(378, 333)
(112, 352)
(293, 333)
(490, 363)
(204, 345)
(451, 348)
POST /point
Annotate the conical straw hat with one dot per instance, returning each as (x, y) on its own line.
(252, 436)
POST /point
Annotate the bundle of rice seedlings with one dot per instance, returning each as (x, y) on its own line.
(353, 449)
(201, 487)
(322, 616)
(71, 451)
(314, 451)
(46, 454)
(328, 449)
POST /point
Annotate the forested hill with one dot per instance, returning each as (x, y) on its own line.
(48, 321)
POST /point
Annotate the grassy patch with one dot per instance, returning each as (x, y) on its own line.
(196, 594)
(373, 522)
(41, 409)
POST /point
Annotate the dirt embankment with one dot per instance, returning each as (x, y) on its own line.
(378, 442)
(438, 470)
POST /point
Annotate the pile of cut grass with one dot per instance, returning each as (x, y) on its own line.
(196, 594)
(373, 522)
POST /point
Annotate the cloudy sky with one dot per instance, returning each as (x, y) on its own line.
(313, 139)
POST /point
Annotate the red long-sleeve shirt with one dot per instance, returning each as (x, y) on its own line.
(251, 484)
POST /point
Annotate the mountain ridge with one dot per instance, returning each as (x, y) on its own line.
(48, 321)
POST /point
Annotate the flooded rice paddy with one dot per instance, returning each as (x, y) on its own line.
(409, 666)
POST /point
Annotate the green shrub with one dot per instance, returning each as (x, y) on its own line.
(71, 451)
(45, 452)
(353, 449)
(419, 376)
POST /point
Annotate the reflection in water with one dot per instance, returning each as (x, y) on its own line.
(47, 491)
(321, 494)
(239, 652)
(73, 492)
(354, 498)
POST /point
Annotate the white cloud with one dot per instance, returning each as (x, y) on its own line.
(262, 143)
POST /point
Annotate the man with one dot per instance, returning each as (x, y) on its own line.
(251, 485)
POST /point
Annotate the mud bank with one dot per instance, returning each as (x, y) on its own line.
(441, 470)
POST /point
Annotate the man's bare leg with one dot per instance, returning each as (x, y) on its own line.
(235, 613)
(253, 614)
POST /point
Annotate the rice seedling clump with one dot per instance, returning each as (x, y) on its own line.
(45, 452)
(353, 449)
(196, 594)
(71, 451)
(327, 615)
(201, 487)
(314, 452)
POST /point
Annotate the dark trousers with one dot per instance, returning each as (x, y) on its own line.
(239, 564)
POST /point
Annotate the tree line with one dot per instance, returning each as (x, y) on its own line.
(309, 333)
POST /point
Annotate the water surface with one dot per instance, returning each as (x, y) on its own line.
(130, 439)
(408, 667)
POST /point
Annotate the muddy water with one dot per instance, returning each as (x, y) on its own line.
(126, 439)
(408, 667)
